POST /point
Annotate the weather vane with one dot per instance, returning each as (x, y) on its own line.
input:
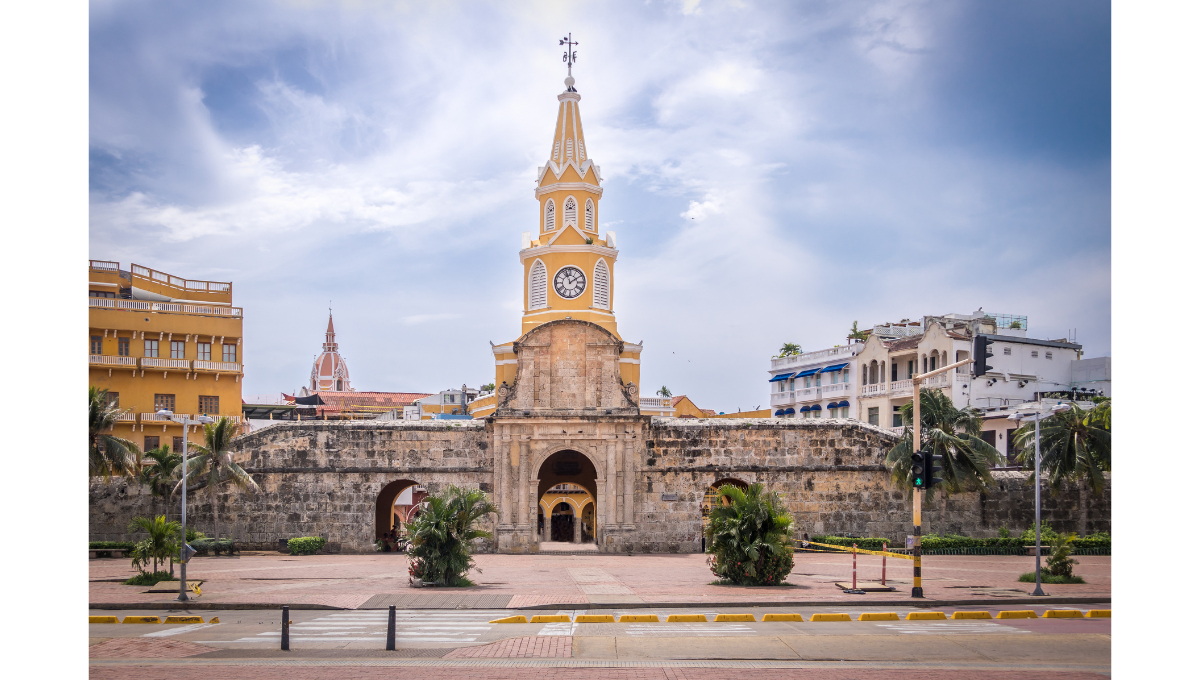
(570, 55)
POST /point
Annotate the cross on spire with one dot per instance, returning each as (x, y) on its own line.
(570, 55)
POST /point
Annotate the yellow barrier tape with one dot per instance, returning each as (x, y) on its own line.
(860, 550)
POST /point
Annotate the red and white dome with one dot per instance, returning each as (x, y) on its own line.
(329, 372)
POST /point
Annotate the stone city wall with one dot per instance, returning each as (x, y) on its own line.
(324, 478)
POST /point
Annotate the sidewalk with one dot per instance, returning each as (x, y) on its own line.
(578, 581)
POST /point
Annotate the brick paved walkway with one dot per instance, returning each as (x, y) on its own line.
(544, 647)
(141, 648)
(349, 581)
(427, 673)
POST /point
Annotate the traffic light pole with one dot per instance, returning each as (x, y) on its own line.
(917, 590)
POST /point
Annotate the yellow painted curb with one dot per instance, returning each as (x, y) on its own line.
(595, 618)
(638, 618)
(830, 617)
(142, 619)
(550, 618)
(734, 617)
(214, 620)
(971, 615)
(926, 616)
(687, 618)
(879, 616)
(1062, 614)
(511, 619)
(1099, 614)
(783, 617)
(103, 619)
(183, 619)
(1017, 614)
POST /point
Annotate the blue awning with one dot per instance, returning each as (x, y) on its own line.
(781, 376)
(805, 409)
(779, 412)
(831, 369)
(816, 407)
(843, 404)
(832, 405)
(812, 371)
(789, 411)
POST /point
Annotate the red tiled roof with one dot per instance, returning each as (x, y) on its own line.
(675, 400)
(903, 343)
(337, 400)
(957, 336)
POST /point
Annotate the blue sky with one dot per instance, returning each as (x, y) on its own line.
(774, 172)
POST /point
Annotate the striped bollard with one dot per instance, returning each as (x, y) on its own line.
(883, 581)
(854, 568)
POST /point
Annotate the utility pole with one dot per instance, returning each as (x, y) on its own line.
(917, 590)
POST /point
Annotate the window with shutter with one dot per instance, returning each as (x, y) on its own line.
(580, 145)
(549, 225)
(569, 211)
(556, 151)
(589, 215)
(537, 285)
(570, 150)
(600, 285)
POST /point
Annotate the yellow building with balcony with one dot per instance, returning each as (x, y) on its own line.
(160, 341)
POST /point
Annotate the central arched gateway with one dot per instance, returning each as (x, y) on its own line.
(396, 504)
(567, 498)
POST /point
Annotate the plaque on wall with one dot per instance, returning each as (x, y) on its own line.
(670, 496)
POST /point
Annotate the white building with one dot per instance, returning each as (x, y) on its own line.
(815, 384)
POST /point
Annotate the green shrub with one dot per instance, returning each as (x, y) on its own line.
(1048, 534)
(1060, 562)
(214, 546)
(308, 545)
(441, 536)
(193, 535)
(1049, 578)
(148, 579)
(111, 545)
(1013, 545)
(748, 537)
(1003, 532)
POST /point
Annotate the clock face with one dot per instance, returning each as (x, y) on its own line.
(569, 282)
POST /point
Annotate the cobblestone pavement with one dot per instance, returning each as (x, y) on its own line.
(518, 648)
(349, 581)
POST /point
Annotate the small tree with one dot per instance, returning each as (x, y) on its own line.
(950, 432)
(161, 544)
(664, 392)
(441, 535)
(213, 464)
(857, 335)
(748, 536)
(160, 474)
(108, 454)
(1075, 445)
(789, 349)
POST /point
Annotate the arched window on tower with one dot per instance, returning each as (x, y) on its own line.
(570, 211)
(589, 215)
(570, 150)
(600, 285)
(549, 220)
(339, 385)
(537, 285)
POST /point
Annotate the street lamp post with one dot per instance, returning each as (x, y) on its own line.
(1037, 417)
(202, 420)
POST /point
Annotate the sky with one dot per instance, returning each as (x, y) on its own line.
(774, 171)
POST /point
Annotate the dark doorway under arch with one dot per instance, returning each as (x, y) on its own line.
(384, 504)
(565, 467)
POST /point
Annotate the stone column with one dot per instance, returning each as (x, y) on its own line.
(629, 474)
(504, 484)
(577, 520)
(609, 514)
(523, 485)
(546, 529)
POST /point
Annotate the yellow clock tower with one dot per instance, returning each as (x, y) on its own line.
(569, 266)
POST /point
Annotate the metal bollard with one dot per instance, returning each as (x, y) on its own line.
(854, 568)
(284, 643)
(391, 638)
(883, 581)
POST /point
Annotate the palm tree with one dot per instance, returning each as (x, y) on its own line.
(789, 349)
(856, 334)
(161, 544)
(160, 475)
(952, 433)
(664, 392)
(1076, 445)
(213, 464)
(748, 532)
(1101, 413)
(441, 535)
(108, 454)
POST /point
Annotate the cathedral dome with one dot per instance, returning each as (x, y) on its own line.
(330, 373)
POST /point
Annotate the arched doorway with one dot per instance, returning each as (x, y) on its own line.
(566, 490)
(398, 502)
(710, 497)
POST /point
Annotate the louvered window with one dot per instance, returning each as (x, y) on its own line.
(549, 226)
(556, 151)
(581, 154)
(600, 285)
(537, 285)
(569, 211)
(570, 150)
(589, 215)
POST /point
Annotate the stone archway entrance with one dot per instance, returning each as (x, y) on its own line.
(567, 498)
(397, 503)
(710, 497)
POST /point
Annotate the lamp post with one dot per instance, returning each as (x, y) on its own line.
(1037, 416)
(183, 546)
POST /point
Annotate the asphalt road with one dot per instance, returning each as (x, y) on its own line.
(248, 638)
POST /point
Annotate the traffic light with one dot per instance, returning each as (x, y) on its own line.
(980, 351)
(931, 461)
(918, 470)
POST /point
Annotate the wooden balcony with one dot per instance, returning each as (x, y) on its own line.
(111, 361)
(216, 366)
(150, 364)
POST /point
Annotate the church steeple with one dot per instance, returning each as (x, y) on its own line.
(330, 337)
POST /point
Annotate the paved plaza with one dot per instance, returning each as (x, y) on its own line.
(581, 581)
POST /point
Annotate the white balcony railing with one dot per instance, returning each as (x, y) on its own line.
(655, 402)
(103, 360)
(118, 303)
(779, 398)
(218, 366)
(838, 389)
(811, 357)
(127, 417)
(195, 309)
(183, 364)
(878, 389)
(154, 417)
(901, 387)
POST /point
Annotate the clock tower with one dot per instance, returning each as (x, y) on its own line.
(569, 264)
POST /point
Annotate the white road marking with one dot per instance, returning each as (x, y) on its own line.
(181, 629)
(949, 628)
(690, 629)
(371, 626)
